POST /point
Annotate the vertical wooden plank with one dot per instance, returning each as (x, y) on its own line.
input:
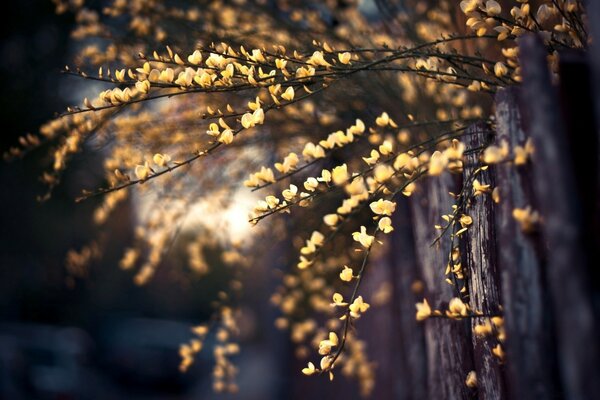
(447, 342)
(529, 364)
(409, 344)
(480, 263)
(593, 13)
(554, 187)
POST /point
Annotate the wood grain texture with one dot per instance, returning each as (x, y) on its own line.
(528, 343)
(562, 227)
(480, 264)
(448, 342)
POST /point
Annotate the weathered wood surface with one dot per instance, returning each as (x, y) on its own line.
(480, 266)
(448, 342)
(411, 367)
(528, 346)
(553, 183)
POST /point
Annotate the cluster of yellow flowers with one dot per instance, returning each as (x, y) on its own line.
(457, 309)
(237, 93)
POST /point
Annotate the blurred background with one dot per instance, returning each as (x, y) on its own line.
(99, 336)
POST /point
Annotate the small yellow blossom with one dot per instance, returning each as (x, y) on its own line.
(479, 189)
(331, 219)
(385, 225)
(344, 57)
(500, 69)
(226, 136)
(161, 159)
(347, 274)
(456, 308)
(527, 218)
(290, 194)
(498, 351)
(339, 174)
(383, 120)
(423, 310)
(362, 237)
(437, 163)
(311, 184)
(492, 8)
(386, 148)
(358, 307)
(309, 370)
(142, 171)
(465, 220)
(338, 300)
(383, 207)
(471, 380)
(288, 94)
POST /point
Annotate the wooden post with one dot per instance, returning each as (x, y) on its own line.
(448, 342)
(553, 183)
(528, 349)
(480, 263)
(409, 344)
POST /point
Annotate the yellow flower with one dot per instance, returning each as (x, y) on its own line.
(409, 189)
(465, 220)
(471, 380)
(226, 136)
(495, 154)
(479, 189)
(423, 310)
(247, 121)
(386, 148)
(498, 351)
(311, 184)
(290, 194)
(347, 274)
(362, 237)
(383, 120)
(313, 151)
(309, 370)
(492, 8)
(383, 207)
(317, 60)
(200, 330)
(496, 195)
(258, 116)
(468, 6)
(280, 63)
(326, 362)
(358, 307)
(385, 225)
(373, 158)
(382, 173)
(142, 171)
(304, 263)
(339, 174)
(500, 69)
(289, 163)
(344, 57)
(317, 238)
(161, 159)
(288, 94)
(326, 345)
(527, 218)
(482, 330)
(325, 176)
(331, 219)
(437, 163)
(457, 308)
(338, 300)
(195, 58)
